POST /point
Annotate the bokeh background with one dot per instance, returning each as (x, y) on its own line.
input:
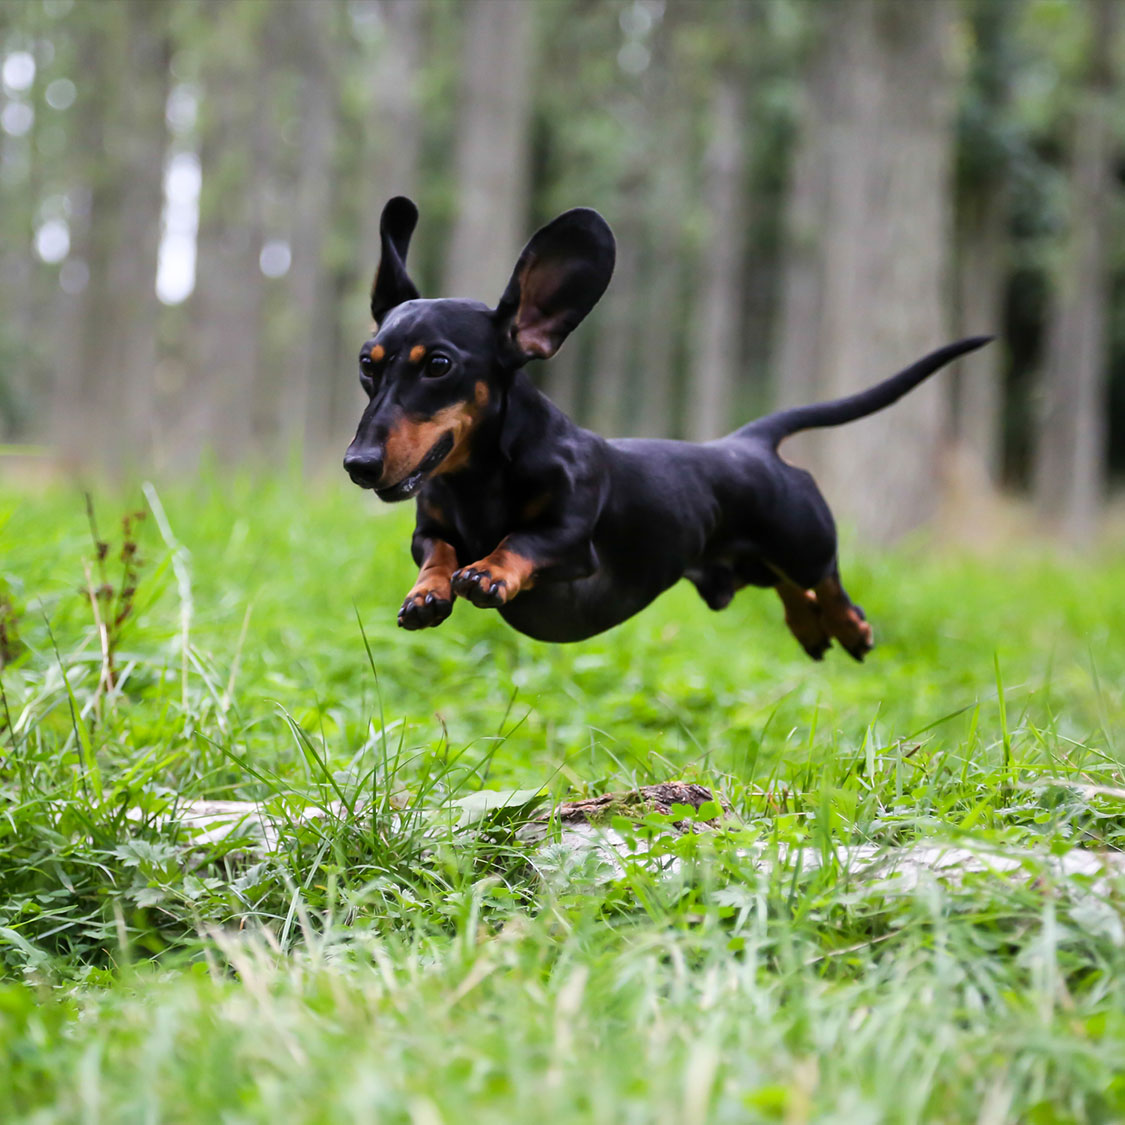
(806, 195)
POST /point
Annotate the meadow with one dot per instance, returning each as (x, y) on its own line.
(408, 956)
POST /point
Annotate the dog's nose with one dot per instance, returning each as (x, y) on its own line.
(365, 469)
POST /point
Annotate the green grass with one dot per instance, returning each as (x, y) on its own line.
(406, 959)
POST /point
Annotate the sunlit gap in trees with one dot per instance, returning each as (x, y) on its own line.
(183, 179)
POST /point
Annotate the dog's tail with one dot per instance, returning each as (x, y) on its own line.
(774, 428)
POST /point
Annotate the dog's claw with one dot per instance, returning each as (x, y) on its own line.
(479, 587)
(424, 611)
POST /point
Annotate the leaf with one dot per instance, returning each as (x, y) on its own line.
(497, 805)
(149, 896)
(34, 956)
(136, 851)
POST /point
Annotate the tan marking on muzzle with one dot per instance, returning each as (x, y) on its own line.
(411, 439)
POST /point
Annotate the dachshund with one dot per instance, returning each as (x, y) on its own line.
(563, 532)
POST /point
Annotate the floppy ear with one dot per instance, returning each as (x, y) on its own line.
(559, 277)
(392, 284)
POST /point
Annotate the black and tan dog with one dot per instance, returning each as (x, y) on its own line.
(563, 532)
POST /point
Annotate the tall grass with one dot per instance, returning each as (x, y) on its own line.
(379, 942)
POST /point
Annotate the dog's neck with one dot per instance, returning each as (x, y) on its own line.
(525, 416)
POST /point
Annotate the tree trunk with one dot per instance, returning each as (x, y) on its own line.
(715, 349)
(669, 199)
(105, 412)
(27, 326)
(981, 275)
(392, 136)
(305, 393)
(798, 369)
(492, 149)
(884, 258)
(237, 140)
(1070, 461)
(983, 197)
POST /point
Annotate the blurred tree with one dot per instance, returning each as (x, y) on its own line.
(715, 348)
(984, 159)
(312, 37)
(21, 187)
(1071, 456)
(391, 128)
(238, 138)
(105, 401)
(666, 245)
(884, 254)
(798, 359)
(492, 146)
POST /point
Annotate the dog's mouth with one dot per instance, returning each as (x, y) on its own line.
(413, 481)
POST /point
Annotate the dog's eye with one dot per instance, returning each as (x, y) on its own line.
(367, 373)
(438, 365)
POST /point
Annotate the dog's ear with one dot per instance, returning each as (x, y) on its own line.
(392, 284)
(559, 278)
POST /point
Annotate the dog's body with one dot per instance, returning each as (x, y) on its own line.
(565, 533)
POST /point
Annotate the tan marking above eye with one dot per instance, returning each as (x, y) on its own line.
(377, 352)
(417, 352)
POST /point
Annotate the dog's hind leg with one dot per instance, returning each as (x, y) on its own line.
(842, 617)
(804, 618)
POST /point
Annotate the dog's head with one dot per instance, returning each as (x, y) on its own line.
(435, 370)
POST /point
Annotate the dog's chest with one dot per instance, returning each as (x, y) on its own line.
(481, 515)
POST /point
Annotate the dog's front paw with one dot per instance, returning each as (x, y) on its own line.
(480, 586)
(423, 609)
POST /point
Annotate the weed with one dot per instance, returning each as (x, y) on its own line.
(10, 645)
(112, 605)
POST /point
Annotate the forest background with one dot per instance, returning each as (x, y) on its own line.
(806, 195)
(913, 911)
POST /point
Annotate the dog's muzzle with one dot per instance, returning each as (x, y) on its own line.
(366, 469)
